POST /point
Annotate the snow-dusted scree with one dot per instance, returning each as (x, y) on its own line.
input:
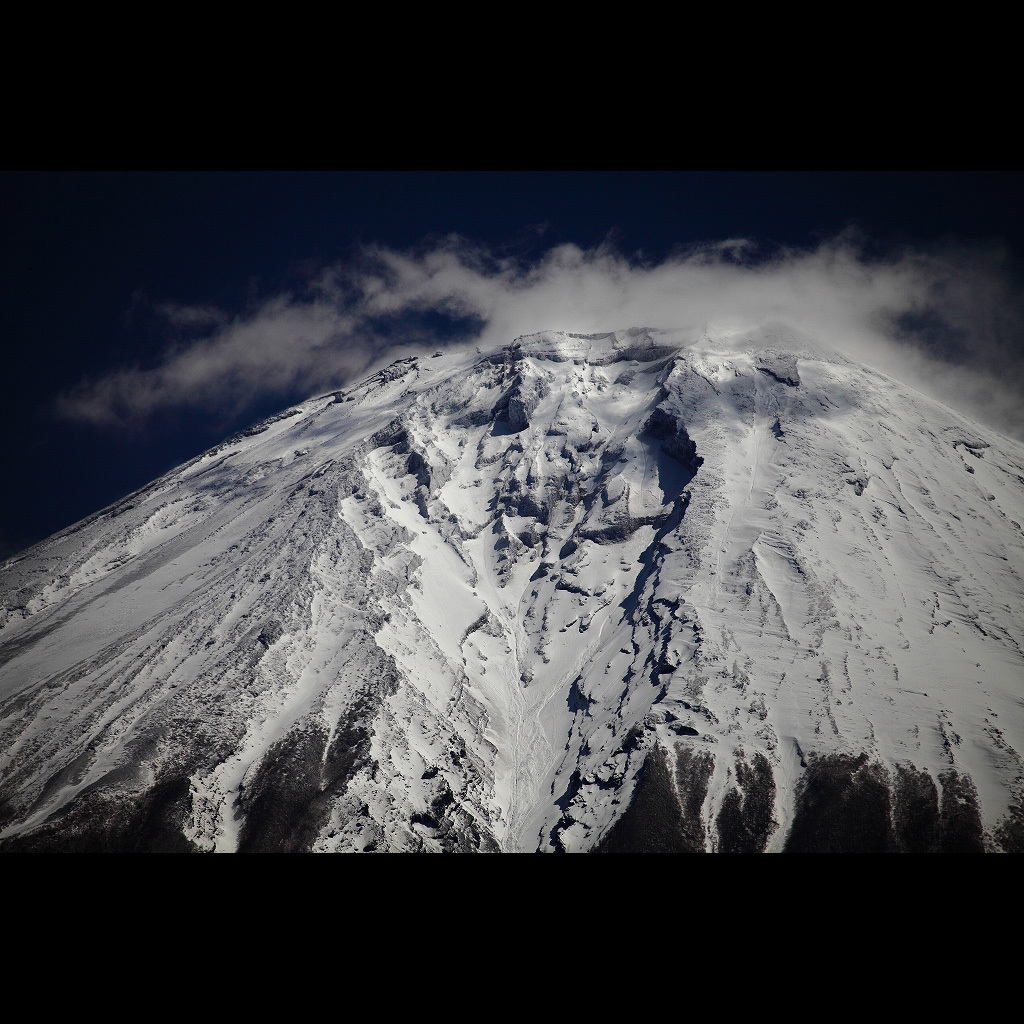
(639, 591)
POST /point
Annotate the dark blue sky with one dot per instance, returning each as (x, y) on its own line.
(85, 254)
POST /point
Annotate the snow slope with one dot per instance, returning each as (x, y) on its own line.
(635, 591)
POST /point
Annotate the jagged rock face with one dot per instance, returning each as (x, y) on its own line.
(634, 591)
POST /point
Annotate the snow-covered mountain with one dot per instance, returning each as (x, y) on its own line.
(721, 590)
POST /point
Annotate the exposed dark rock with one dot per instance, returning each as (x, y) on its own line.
(623, 528)
(915, 810)
(1010, 830)
(270, 634)
(474, 418)
(791, 380)
(683, 730)
(842, 806)
(693, 773)
(653, 821)
(519, 408)
(517, 404)
(577, 700)
(632, 739)
(258, 428)
(105, 822)
(289, 800)
(675, 441)
(662, 424)
(523, 503)
(418, 468)
(280, 804)
(392, 435)
(960, 829)
(646, 351)
(745, 821)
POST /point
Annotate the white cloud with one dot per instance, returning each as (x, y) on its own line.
(946, 319)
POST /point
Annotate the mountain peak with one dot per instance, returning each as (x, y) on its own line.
(646, 589)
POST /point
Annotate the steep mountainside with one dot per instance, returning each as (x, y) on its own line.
(638, 591)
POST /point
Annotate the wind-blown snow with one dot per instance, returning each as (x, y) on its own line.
(463, 603)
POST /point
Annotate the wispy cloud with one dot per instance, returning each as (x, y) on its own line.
(947, 318)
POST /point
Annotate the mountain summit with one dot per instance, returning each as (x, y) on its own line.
(722, 590)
